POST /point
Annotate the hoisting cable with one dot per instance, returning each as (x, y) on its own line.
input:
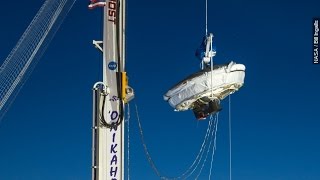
(206, 17)
(206, 30)
(211, 62)
(209, 51)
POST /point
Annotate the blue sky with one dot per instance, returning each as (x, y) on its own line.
(46, 134)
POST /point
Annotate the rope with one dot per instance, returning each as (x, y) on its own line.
(206, 17)
(201, 152)
(210, 135)
(144, 145)
(230, 142)
(213, 139)
(128, 131)
(214, 146)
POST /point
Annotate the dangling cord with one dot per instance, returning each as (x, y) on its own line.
(230, 142)
(213, 142)
(146, 151)
(214, 147)
(128, 131)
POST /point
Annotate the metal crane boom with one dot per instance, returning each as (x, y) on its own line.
(110, 96)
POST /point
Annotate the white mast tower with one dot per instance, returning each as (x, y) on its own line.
(110, 96)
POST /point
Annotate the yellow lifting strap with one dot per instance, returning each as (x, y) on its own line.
(124, 85)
